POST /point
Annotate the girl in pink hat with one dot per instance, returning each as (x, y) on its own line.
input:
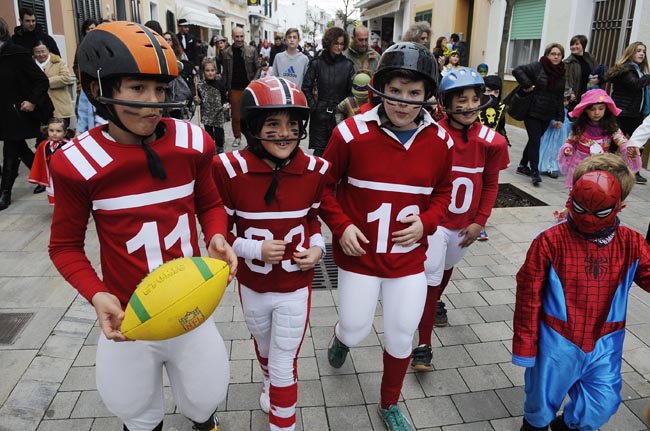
(594, 131)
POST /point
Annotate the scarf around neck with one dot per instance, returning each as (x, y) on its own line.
(554, 71)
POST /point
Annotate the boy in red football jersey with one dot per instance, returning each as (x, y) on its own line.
(390, 169)
(145, 180)
(479, 154)
(272, 191)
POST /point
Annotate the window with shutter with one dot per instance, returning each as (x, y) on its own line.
(525, 32)
(86, 9)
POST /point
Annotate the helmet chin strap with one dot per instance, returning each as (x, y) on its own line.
(400, 100)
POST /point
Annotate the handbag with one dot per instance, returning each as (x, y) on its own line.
(518, 102)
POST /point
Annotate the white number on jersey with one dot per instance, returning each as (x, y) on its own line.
(383, 216)
(468, 185)
(265, 234)
(149, 238)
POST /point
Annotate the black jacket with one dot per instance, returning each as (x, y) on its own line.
(21, 79)
(327, 81)
(627, 88)
(548, 103)
(27, 39)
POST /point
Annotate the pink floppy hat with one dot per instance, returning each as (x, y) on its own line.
(592, 97)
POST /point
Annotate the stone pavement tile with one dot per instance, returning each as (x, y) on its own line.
(321, 298)
(631, 343)
(85, 357)
(90, 405)
(240, 370)
(230, 297)
(484, 260)
(451, 357)
(244, 396)
(411, 387)
(433, 412)
(82, 310)
(475, 426)
(35, 292)
(93, 337)
(308, 369)
(642, 331)
(74, 327)
(513, 399)
(307, 348)
(231, 420)
(501, 282)
(223, 313)
(505, 269)
(341, 391)
(488, 353)
(495, 313)
(323, 316)
(492, 331)
(66, 425)
(514, 373)
(455, 335)
(13, 364)
(242, 349)
(325, 369)
(637, 312)
(638, 407)
(310, 393)
(470, 299)
(62, 346)
(444, 382)
(463, 316)
(39, 327)
(479, 406)
(62, 405)
(476, 272)
(48, 369)
(233, 330)
(30, 398)
(10, 421)
(321, 336)
(79, 379)
(624, 419)
(637, 382)
(638, 359)
(482, 248)
(508, 424)
(367, 359)
(370, 387)
(471, 284)
(314, 418)
(627, 393)
(499, 297)
(484, 377)
(24, 264)
(349, 418)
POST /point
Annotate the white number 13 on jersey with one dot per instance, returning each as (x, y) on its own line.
(383, 216)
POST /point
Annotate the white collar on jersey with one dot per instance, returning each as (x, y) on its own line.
(373, 115)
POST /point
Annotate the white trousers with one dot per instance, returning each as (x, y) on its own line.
(402, 300)
(444, 252)
(278, 322)
(130, 380)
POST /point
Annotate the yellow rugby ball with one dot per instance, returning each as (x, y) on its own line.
(175, 298)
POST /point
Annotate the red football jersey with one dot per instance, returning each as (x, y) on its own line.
(375, 181)
(474, 174)
(243, 179)
(141, 221)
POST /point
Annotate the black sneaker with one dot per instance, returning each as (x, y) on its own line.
(39, 189)
(441, 315)
(421, 360)
(536, 179)
(639, 178)
(337, 352)
(552, 174)
(212, 424)
(523, 170)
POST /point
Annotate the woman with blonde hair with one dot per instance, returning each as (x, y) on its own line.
(419, 32)
(631, 89)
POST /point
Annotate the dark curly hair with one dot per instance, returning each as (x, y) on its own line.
(332, 34)
(607, 123)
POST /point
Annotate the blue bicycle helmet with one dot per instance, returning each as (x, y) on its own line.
(464, 77)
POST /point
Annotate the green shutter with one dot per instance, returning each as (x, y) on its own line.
(527, 19)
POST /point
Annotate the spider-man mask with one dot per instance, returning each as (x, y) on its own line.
(595, 201)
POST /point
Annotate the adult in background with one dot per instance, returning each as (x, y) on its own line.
(327, 82)
(188, 42)
(265, 50)
(28, 32)
(578, 65)
(363, 57)
(419, 32)
(631, 90)
(277, 48)
(545, 80)
(240, 64)
(215, 51)
(23, 87)
(461, 47)
(59, 77)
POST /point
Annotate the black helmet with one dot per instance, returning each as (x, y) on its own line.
(407, 56)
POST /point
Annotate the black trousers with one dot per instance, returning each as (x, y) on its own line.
(217, 133)
(13, 152)
(535, 129)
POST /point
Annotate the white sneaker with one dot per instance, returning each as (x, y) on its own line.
(265, 400)
(236, 143)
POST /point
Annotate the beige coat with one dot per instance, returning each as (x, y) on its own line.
(60, 78)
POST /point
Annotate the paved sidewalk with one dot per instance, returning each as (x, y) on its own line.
(47, 376)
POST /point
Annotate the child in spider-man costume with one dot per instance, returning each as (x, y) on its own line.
(572, 296)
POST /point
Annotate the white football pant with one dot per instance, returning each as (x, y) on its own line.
(444, 252)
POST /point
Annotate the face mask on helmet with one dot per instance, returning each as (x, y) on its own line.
(595, 201)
